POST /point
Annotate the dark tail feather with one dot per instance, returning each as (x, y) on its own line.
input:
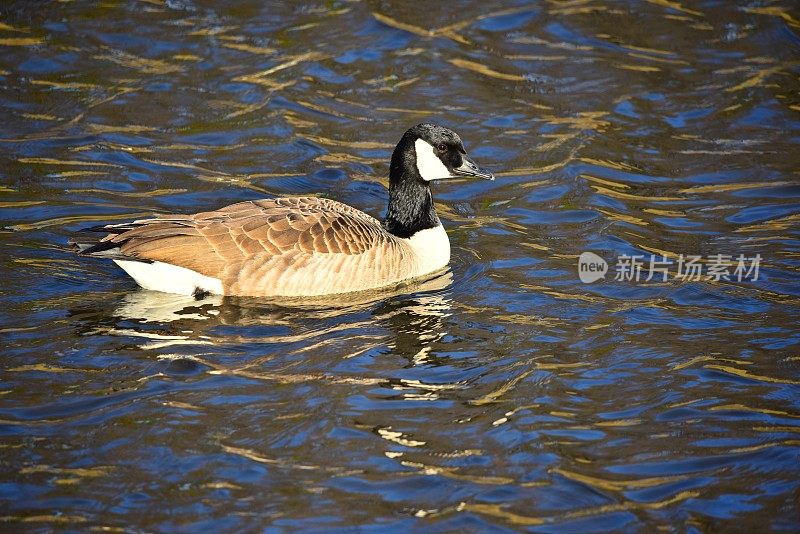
(87, 249)
(110, 228)
(101, 249)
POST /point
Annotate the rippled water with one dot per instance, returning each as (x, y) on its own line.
(506, 394)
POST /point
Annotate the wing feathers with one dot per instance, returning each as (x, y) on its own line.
(286, 246)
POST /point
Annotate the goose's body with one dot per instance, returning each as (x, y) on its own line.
(300, 246)
(288, 246)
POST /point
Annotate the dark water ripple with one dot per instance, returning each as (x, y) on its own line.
(505, 395)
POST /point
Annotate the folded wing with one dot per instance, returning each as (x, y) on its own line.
(286, 246)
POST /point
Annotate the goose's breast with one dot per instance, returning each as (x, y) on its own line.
(431, 249)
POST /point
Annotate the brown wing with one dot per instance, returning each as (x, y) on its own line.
(286, 246)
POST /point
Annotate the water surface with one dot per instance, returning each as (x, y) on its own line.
(506, 394)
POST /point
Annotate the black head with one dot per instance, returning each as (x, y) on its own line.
(431, 152)
(425, 153)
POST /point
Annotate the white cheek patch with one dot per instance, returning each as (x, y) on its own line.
(429, 165)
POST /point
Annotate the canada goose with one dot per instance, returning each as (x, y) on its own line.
(300, 246)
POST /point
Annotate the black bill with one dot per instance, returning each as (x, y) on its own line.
(469, 168)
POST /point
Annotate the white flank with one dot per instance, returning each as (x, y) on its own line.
(429, 165)
(168, 278)
(432, 247)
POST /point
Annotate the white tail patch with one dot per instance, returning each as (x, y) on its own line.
(168, 278)
(429, 165)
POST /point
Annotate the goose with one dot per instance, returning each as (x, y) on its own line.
(298, 246)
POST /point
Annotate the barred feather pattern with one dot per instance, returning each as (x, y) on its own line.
(297, 246)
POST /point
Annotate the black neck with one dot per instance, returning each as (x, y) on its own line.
(410, 203)
(410, 209)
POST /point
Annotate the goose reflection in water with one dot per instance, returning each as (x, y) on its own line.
(416, 324)
(410, 320)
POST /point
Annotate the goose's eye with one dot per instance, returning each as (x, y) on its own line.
(442, 147)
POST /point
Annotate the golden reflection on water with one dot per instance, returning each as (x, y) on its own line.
(653, 128)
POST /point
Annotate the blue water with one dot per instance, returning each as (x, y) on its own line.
(503, 395)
